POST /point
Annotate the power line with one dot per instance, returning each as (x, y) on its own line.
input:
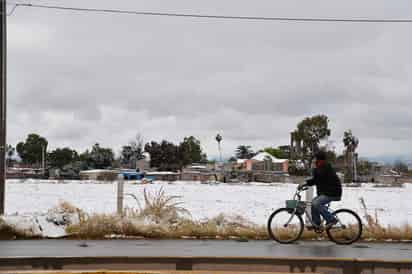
(12, 10)
(209, 16)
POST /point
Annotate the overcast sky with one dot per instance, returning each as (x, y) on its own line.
(80, 78)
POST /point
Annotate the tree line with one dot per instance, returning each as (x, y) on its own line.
(164, 155)
(308, 137)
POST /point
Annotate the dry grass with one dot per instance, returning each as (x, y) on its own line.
(373, 230)
(95, 226)
(164, 217)
(9, 232)
(102, 226)
(6, 231)
(160, 206)
(66, 207)
(212, 229)
(379, 233)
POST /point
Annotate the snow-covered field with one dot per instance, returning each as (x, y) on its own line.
(254, 201)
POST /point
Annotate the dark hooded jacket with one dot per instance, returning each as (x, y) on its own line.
(326, 180)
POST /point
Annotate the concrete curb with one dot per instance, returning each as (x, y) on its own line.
(132, 272)
(250, 264)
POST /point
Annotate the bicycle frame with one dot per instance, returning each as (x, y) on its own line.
(298, 197)
(348, 231)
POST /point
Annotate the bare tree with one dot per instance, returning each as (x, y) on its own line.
(133, 151)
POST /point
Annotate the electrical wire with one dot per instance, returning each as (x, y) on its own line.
(12, 10)
(209, 16)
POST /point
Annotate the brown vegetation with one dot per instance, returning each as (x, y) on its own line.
(164, 217)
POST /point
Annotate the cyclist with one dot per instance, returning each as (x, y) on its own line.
(329, 188)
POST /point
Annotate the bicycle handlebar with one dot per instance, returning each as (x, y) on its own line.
(304, 188)
(299, 190)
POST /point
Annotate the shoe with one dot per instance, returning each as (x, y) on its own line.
(331, 224)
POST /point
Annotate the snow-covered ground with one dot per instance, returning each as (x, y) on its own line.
(254, 201)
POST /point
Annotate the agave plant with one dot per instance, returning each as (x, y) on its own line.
(163, 207)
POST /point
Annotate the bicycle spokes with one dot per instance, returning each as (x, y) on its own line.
(290, 219)
(348, 229)
(284, 226)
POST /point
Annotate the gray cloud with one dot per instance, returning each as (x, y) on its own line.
(78, 78)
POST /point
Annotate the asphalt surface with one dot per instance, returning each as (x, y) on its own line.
(196, 248)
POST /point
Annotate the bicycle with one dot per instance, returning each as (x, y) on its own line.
(285, 225)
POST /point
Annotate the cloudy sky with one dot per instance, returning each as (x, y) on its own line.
(81, 78)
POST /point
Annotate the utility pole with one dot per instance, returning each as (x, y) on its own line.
(355, 168)
(43, 157)
(3, 103)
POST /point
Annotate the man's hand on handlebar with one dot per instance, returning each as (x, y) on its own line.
(303, 187)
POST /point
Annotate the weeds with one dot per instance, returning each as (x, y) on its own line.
(163, 217)
(373, 230)
(162, 207)
(10, 232)
(66, 207)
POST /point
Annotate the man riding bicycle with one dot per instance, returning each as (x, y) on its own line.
(329, 188)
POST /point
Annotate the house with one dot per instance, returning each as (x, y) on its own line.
(197, 172)
(240, 164)
(25, 173)
(266, 168)
(63, 174)
(143, 164)
(99, 174)
(168, 176)
(264, 161)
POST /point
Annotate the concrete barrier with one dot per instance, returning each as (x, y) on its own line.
(241, 264)
(134, 272)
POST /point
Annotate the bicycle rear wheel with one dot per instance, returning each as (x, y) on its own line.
(284, 226)
(348, 229)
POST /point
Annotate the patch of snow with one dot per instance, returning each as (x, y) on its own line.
(50, 225)
(198, 167)
(161, 173)
(253, 201)
(264, 155)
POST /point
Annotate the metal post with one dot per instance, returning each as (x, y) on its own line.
(42, 160)
(220, 153)
(120, 195)
(355, 169)
(3, 103)
(309, 198)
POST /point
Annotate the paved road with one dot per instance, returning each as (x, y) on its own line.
(195, 248)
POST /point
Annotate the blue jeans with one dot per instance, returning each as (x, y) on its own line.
(319, 208)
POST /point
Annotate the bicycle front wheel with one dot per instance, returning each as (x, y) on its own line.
(284, 226)
(348, 229)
